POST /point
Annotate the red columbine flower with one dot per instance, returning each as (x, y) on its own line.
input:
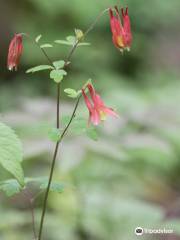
(97, 109)
(122, 36)
(15, 51)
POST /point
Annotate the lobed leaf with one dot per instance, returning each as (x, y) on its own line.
(11, 153)
(10, 187)
(59, 64)
(57, 75)
(71, 92)
(42, 182)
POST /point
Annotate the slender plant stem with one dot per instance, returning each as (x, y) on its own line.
(47, 191)
(33, 217)
(53, 164)
(71, 53)
(58, 122)
(95, 21)
(30, 200)
(52, 169)
(85, 33)
(42, 49)
(45, 54)
(70, 121)
(58, 106)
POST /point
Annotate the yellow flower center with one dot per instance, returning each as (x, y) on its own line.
(102, 115)
(120, 42)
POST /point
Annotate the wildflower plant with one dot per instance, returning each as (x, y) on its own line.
(10, 146)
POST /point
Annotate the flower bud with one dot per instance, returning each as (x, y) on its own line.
(15, 52)
(79, 34)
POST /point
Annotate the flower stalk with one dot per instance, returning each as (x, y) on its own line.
(58, 122)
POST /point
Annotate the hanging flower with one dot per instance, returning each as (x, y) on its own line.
(97, 109)
(15, 51)
(121, 34)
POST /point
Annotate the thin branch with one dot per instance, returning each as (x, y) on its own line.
(42, 49)
(95, 22)
(70, 121)
(52, 168)
(30, 200)
(58, 106)
(85, 33)
(47, 191)
(71, 52)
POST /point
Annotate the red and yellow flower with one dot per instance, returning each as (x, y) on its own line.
(15, 52)
(121, 33)
(97, 109)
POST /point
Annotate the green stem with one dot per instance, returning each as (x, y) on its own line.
(70, 121)
(47, 191)
(42, 49)
(58, 106)
(52, 165)
(58, 123)
(95, 21)
(30, 200)
(52, 168)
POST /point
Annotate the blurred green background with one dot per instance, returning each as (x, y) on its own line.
(130, 177)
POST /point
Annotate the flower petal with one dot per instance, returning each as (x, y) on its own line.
(95, 117)
(110, 112)
(15, 51)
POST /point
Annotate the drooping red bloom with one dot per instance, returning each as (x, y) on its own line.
(15, 51)
(97, 109)
(121, 33)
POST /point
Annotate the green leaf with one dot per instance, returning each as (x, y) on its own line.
(57, 75)
(55, 187)
(38, 38)
(59, 64)
(42, 182)
(11, 152)
(84, 44)
(80, 126)
(71, 92)
(54, 134)
(65, 119)
(63, 42)
(46, 45)
(10, 187)
(92, 133)
(71, 39)
(39, 68)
